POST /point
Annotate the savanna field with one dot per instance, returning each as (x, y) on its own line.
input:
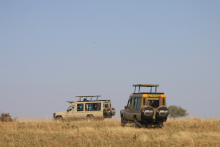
(46, 132)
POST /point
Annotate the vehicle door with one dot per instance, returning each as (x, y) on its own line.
(128, 111)
(70, 112)
(154, 102)
(80, 112)
(137, 108)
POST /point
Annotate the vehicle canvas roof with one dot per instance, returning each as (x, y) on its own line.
(146, 85)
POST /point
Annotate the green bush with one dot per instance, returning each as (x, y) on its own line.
(5, 117)
(5, 114)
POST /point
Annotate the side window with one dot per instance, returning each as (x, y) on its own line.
(137, 103)
(106, 105)
(132, 102)
(98, 106)
(129, 104)
(79, 107)
(93, 106)
(154, 103)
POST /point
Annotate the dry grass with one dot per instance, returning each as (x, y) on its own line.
(179, 132)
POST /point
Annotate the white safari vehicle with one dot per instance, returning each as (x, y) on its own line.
(86, 109)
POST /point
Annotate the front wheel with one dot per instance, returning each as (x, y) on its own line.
(59, 119)
(89, 118)
(137, 124)
(160, 124)
(123, 122)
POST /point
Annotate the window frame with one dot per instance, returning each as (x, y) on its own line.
(77, 107)
(135, 104)
(107, 104)
(129, 102)
(132, 103)
(93, 106)
(156, 105)
(72, 108)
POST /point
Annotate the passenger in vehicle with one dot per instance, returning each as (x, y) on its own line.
(71, 109)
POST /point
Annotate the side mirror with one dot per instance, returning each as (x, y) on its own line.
(126, 107)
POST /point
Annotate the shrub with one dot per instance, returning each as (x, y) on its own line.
(5, 117)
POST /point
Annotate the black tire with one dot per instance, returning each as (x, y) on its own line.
(160, 124)
(123, 122)
(59, 119)
(89, 118)
(136, 125)
(147, 126)
(102, 119)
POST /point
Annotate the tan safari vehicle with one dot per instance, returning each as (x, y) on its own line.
(86, 109)
(145, 109)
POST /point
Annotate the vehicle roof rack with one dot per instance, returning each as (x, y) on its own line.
(146, 85)
(85, 99)
(88, 96)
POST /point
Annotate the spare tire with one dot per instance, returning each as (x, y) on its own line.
(106, 112)
(162, 112)
(147, 112)
(112, 111)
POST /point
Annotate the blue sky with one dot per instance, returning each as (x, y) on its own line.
(51, 51)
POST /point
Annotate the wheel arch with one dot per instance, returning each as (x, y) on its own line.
(59, 116)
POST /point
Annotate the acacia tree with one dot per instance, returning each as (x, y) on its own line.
(177, 111)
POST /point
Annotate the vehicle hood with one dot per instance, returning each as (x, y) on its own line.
(122, 111)
(60, 113)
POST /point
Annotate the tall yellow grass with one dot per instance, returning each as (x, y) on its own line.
(46, 132)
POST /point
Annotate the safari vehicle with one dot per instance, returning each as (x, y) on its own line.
(86, 109)
(145, 109)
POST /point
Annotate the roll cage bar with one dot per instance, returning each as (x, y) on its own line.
(146, 85)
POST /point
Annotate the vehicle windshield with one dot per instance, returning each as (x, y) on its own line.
(71, 108)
